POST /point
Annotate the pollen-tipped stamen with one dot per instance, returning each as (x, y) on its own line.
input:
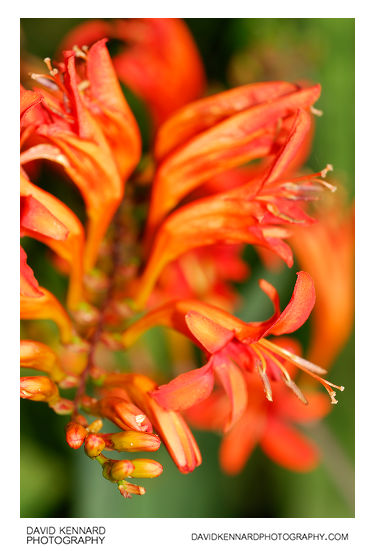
(297, 360)
(261, 368)
(306, 366)
(45, 80)
(288, 381)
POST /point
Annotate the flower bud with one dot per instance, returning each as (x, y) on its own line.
(85, 316)
(81, 419)
(121, 469)
(95, 426)
(75, 435)
(106, 472)
(132, 441)
(38, 389)
(94, 445)
(62, 406)
(123, 413)
(127, 489)
(146, 468)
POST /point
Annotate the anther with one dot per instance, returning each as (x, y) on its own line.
(83, 85)
(316, 112)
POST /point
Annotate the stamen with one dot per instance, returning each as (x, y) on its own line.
(83, 85)
(287, 379)
(45, 80)
(47, 61)
(299, 362)
(297, 391)
(261, 368)
(275, 211)
(325, 170)
(314, 111)
(306, 366)
(79, 52)
(68, 118)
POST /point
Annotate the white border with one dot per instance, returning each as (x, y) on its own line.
(171, 533)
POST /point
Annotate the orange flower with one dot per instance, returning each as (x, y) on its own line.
(234, 348)
(266, 423)
(326, 250)
(204, 273)
(251, 213)
(47, 219)
(80, 114)
(220, 132)
(165, 77)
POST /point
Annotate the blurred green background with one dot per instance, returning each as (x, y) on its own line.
(59, 482)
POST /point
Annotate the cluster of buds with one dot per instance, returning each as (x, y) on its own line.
(204, 201)
(79, 433)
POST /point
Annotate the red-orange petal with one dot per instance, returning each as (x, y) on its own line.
(234, 384)
(287, 447)
(29, 284)
(291, 408)
(187, 389)
(211, 335)
(240, 442)
(299, 307)
(37, 219)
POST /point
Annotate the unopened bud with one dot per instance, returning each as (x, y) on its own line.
(62, 406)
(38, 389)
(146, 468)
(89, 404)
(81, 419)
(75, 435)
(95, 426)
(107, 470)
(132, 441)
(96, 284)
(70, 381)
(121, 469)
(94, 445)
(123, 413)
(86, 315)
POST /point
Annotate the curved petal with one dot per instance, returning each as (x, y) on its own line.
(36, 355)
(229, 143)
(71, 248)
(199, 115)
(187, 389)
(47, 307)
(239, 443)
(118, 122)
(37, 219)
(287, 447)
(234, 384)
(299, 307)
(29, 284)
(285, 159)
(272, 294)
(211, 335)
